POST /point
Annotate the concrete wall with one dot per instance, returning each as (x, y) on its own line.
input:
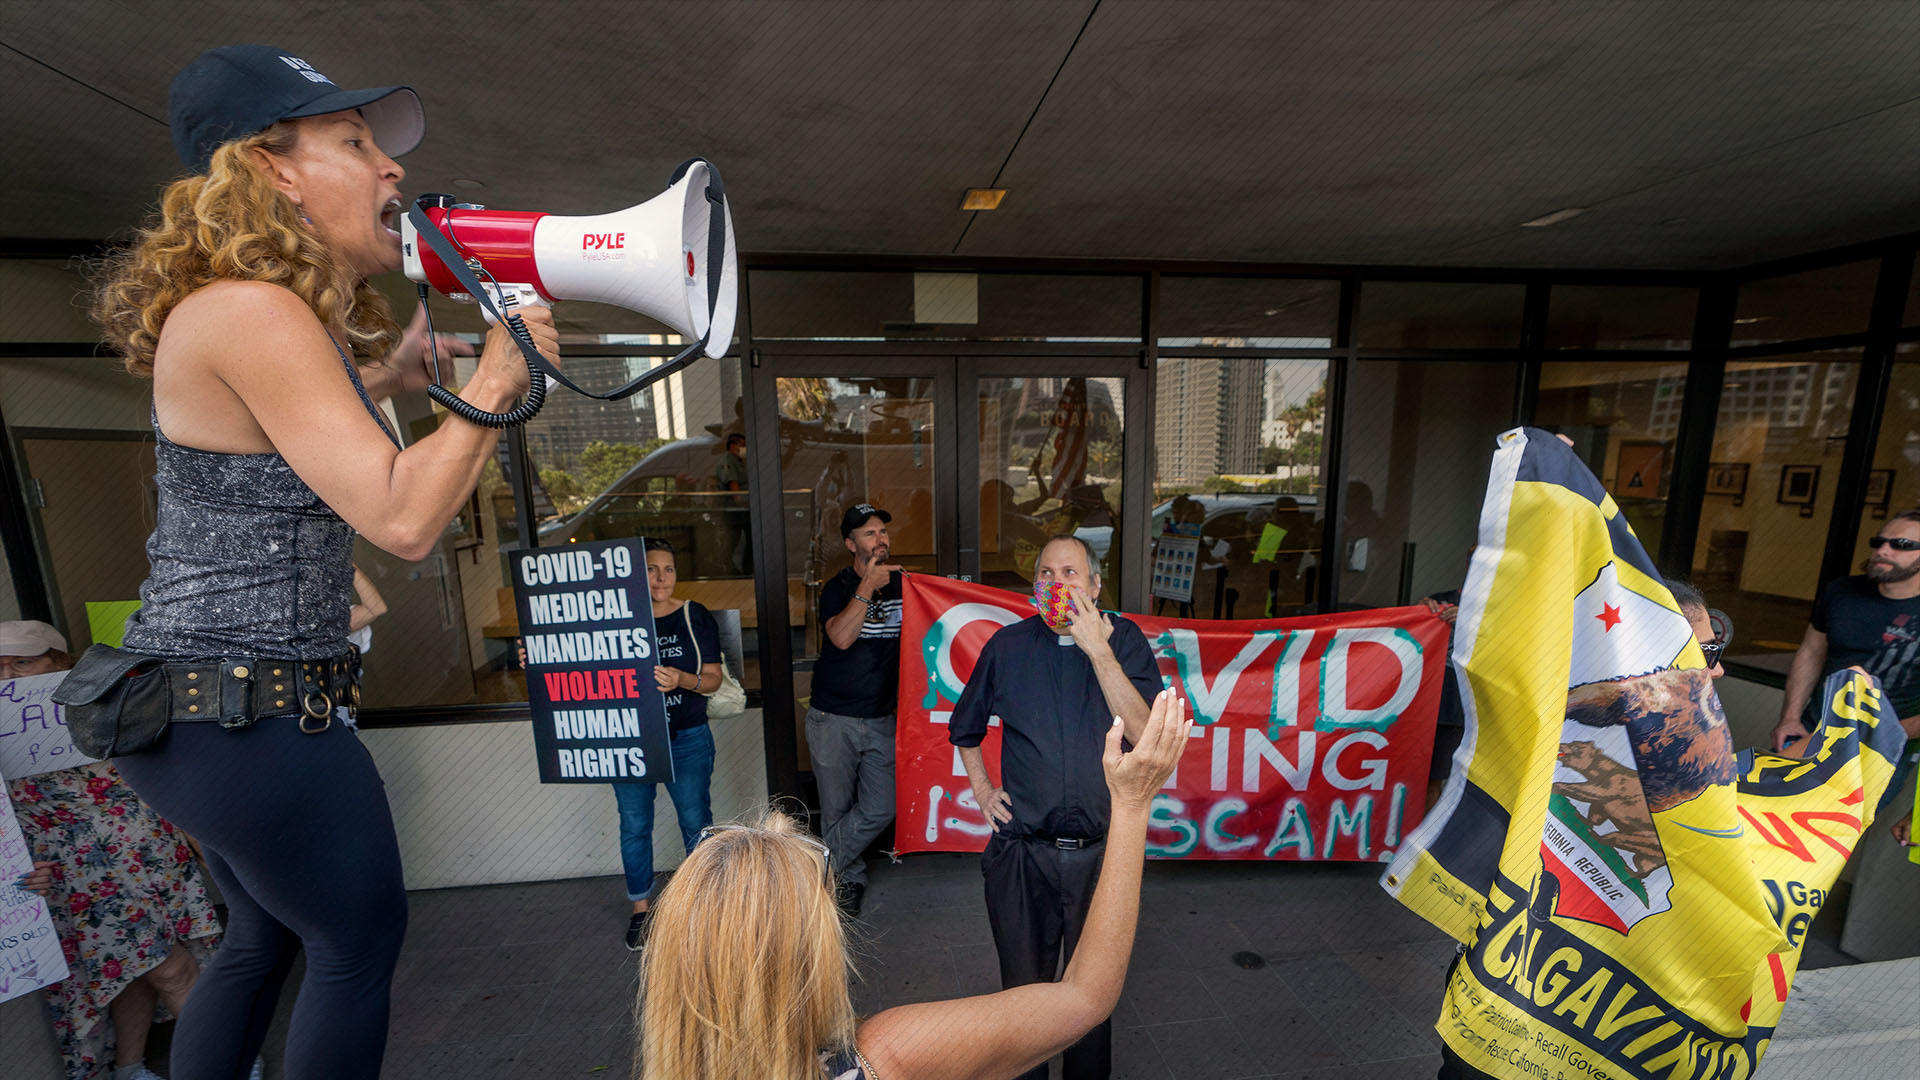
(470, 809)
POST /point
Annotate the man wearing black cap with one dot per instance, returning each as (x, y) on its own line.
(855, 683)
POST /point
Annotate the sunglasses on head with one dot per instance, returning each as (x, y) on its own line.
(1897, 543)
(826, 856)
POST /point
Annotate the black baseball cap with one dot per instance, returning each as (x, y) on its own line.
(237, 90)
(857, 515)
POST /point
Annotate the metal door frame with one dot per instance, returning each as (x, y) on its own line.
(955, 373)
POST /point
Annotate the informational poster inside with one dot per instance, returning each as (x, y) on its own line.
(1174, 561)
(30, 954)
(587, 625)
(33, 728)
(1311, 741)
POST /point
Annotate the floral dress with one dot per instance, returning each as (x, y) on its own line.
(126, 888)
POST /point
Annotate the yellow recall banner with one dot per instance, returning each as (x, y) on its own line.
(1632, 894)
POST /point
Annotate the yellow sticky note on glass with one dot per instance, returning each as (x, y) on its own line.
(1269, 547)
(107, 620)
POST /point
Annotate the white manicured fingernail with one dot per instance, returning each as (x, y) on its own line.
(1116, 721)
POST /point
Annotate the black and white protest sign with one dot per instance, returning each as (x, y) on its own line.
(587, 625)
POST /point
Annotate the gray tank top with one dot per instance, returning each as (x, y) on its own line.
(246, 559)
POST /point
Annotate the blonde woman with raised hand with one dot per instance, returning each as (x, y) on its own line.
(746, 974)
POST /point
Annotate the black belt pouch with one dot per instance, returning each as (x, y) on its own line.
(115, 701)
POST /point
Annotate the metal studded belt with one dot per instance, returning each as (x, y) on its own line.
(236, 691)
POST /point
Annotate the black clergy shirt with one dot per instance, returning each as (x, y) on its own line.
(1054, 721)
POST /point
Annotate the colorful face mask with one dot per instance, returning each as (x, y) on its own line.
(1054, 599)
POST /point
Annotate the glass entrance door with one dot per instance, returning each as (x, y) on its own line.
(979, 460)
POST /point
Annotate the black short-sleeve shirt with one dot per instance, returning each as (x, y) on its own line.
(1877, 633)
(1053, 719)
(687, 708)
(862, 679)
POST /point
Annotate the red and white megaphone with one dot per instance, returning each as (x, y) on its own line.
(670, 258)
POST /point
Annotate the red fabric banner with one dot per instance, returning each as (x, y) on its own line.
(1312, 736)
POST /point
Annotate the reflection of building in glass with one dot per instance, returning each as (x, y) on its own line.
(1207, 417)
(1295, 404)
(570, 421)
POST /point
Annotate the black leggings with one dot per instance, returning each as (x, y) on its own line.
(297, 833)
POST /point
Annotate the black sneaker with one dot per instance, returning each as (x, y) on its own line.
(847, 897)
(637, 931)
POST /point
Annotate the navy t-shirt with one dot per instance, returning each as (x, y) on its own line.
(1054, 721)
(687, 708)
(862, 679)
(1879, 634)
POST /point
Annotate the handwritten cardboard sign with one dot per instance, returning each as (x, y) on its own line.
(30, 955)
(33, 728)
(587, 625)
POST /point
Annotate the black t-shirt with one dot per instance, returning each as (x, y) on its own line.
(1881, 635)
(1053, 721)
(864, 678)
(687, 708)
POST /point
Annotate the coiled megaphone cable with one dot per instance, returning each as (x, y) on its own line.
(536, 398)
(529, 406)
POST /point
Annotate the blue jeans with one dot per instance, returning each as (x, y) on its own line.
(692, 804)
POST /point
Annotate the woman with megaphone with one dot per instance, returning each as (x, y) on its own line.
(247, 301)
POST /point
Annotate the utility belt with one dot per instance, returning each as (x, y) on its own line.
(236, 692)
(118, 702)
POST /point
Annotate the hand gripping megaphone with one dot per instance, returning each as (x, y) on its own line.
(670, 258)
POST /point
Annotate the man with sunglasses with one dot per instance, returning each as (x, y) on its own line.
(1871, 620)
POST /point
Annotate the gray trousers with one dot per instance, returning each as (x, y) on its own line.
(853, 766)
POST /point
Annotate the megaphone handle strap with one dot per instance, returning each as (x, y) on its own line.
(716, 256)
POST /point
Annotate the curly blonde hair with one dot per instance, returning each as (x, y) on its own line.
(746, 968)
(233, 224)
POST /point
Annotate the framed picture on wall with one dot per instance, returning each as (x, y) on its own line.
(1879, 491)
(1728, 478)
(1798, 486)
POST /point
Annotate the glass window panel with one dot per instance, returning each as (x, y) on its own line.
(1913, 295)
(1894, 484)
(656, 464)
(1269, 313)
(1434, 315)
(1050, 451)
(1620, 317)
(1777, 441)
(1623, 418)
(810, 305)
(1816, 303)
(1419, 436)
(1239, 454)
(846, 441)
(46, 300)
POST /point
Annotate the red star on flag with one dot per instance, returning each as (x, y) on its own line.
(1609, 615)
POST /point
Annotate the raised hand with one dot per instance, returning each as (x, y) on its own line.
(1134, 777)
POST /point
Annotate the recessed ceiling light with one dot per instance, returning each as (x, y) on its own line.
(983, 198)
(1554, 218)
(470, 185)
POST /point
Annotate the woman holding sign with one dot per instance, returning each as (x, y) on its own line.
(247, 301)
(121, 884)
(688, 669)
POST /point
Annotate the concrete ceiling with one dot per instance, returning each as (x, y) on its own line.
(1699, 135)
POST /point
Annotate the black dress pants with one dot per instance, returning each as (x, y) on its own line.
(1037, 900)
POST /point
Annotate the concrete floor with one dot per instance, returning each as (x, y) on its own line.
(532, 980)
